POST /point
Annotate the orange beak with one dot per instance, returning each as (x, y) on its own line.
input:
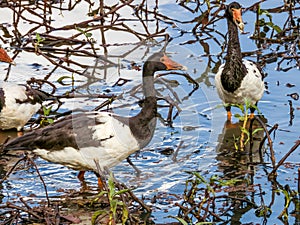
(170, 64)
(4, 57)
(237, 18)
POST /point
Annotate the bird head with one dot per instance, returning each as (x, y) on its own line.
(234, 12)
(160, 61)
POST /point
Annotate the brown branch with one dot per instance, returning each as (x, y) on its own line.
(147, 208)
(41, 178)
(30, 212)
(12, 169)
(281, 161)
(97, 18)
(269, 138)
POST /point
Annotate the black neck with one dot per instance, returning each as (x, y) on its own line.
(234, 70)
(143, 124)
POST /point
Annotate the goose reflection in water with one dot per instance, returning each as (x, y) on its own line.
(238, 165)
(235, 163)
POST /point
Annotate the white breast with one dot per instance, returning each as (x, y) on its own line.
(251, 89)
(13, 114)
(116, 144)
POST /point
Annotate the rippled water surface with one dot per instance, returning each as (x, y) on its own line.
(195, 138)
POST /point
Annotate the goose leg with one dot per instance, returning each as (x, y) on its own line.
(134, 167)
(80, 176)
(20, 132)
(228, 109)
(101, 183)
(252, 110)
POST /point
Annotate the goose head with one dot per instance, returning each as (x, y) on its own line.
(234, 13)
(160, 62)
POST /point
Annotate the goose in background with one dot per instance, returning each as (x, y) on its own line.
(238, 80)
(18, 102)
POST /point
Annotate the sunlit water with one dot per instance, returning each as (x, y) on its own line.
(197, 128)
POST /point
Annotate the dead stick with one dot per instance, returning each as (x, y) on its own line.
(174, 158)
(269, 139)
(281, 161)
(148, 209)
(97, 18)
(275, 127)
(11, 170)
(25, 203)
(43, 182)
(299, 180)
(10, 205)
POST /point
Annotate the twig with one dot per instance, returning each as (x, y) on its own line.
(30, 212)
(41, 178)
(281, 161)
(174, 157)
(107, 102)
(299, 180)
(138, 171)
(269, 138)
(148, 209)
(12, 169)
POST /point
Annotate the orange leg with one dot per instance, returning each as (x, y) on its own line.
(229, 115)
(80, 176)
(100, 183)
(252, 110)
(251, 115)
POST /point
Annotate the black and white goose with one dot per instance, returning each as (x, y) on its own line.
(82, 141)
(18, 103)
(238, 79)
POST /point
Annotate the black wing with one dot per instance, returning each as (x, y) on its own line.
(71, 131)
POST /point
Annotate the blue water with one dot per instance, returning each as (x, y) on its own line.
(198, 127)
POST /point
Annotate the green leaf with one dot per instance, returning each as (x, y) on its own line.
(113, 206)
(230, 182)
(79, 29)
(275, 27)
(182, 221)
(261, 22)
(111, 187)
(240, 106)
(96, 214)
(238, 116)
(62, 78)
(244, 130)
(39, 39)
(257, 130)
(88, 35)
(121, 191)
(50, 120)
(47, 111)
(124, 215)
(201, 178)
(263, 211)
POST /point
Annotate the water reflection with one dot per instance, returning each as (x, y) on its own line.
(70, 49)
(235, 164)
